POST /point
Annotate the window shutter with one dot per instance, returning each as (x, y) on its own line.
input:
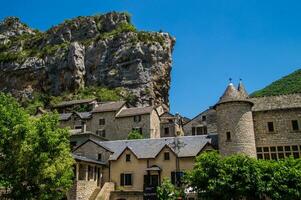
(121, 179)
(193, 130)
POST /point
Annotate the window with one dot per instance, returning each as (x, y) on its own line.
(78, 127)
(259, 149)
(101, 133)
(166, 131)
(295, 125)
(176, 178)
(137, 118)
(102, 121)
(125, 179)
(228, 136)
(199, 130)
(99, 156)
(166, 156)
(271, 127)
(128, 157)
(204, 118)
(193, 131)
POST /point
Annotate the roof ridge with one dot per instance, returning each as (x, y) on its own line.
(290, 94)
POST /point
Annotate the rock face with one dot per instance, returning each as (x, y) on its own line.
(104, 50)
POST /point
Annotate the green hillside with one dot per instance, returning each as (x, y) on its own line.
(286, 85)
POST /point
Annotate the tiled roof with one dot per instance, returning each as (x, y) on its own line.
(135, 111)
(149, 148)
(73, 102)
(82, 115)
(89, 160)
(109, 106)
(276, 102)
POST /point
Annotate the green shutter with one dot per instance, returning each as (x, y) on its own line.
(121, 179)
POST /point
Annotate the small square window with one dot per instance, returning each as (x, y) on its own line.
(228, 134)
(259, 156)
(99, 157)
(259, 149)
(288, 154)
(296, 155)
(166, 131)
(280, 148)
(166, 156)
(267, 156)
(274, 156)
(266, 149)
(128, 157)
(295, 148)
(280, 155)
(295, 125)
(204, 118)
(102, 121)
(271, 127)
(287, 148)
(273, 149)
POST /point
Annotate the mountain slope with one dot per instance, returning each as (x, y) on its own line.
(95, 51)
(286, 85)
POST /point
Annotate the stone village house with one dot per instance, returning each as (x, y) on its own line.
(265, 127)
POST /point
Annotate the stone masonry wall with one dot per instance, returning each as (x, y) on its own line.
(282, 120)
(236, 118)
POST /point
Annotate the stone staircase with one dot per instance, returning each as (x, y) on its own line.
(95, 194)
(105, 191)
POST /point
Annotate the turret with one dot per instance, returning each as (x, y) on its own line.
(235, 122)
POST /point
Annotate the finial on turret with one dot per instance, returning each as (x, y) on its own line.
(241, 89)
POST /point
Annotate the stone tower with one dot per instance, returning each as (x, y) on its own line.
(235, 122)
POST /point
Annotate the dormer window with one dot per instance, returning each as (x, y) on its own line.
(99, 157)
(295, 125)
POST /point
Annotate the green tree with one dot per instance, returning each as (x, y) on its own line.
(167, 191)
(239, 177)
(35, 160)
(134, 135)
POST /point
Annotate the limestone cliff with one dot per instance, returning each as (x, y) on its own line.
(103, 50)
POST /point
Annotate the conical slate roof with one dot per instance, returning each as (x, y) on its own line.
(242, 90)
(232, 94)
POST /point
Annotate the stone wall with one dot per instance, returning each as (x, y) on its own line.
(81, 190)
(283, 131)
(209, 122)
(235, 118)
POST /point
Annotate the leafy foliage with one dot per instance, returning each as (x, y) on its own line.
(167, 191)
(239, 176)
(134, 135)
(286, 85)
(35, 161)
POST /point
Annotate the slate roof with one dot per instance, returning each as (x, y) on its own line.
(89, 160)
(276, 102)
(134, 111)
(108, 107)
(65, 116)
(84, 115)
(149, 148)
(73, 102)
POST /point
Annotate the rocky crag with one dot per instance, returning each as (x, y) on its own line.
(102, 50)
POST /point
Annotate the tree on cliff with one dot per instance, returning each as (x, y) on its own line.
(242, 177)
(35, 159)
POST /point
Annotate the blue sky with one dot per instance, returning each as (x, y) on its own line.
(258, 41)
